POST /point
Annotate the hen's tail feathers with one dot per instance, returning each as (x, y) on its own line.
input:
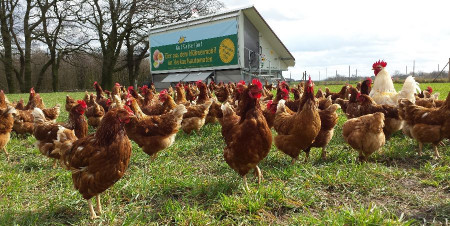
(179, 110)
(226, 109)
(38, 115)
(409, 89)
(11, 110)
(435, 96)
(58, 108)
(63, 144)
(333, 108)
(281, 106)
(208, 103)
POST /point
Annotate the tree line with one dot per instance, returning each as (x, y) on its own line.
(57, 45)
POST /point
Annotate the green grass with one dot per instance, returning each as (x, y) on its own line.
(190, 183)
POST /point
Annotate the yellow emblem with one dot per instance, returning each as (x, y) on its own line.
(181, 40)
(226, 50)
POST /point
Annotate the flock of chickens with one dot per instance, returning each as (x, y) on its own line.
(246, 113)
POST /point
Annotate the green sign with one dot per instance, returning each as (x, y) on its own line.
(212, 52)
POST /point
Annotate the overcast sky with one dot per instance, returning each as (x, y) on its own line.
(330, 35)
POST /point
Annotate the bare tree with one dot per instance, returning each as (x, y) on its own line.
(157, 13)
(59, 32)
(6, 18)
(119, 24)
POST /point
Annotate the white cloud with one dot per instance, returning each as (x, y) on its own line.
(335, 34)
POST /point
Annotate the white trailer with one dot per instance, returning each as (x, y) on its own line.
(227, 46)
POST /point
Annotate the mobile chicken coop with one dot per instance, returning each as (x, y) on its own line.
(228, 46)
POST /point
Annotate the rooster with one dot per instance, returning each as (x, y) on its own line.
(99, 160)
(247, 137)
(383, 91)
(297, 131)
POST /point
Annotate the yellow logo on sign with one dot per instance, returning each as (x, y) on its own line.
(226, 50)
(182, 39)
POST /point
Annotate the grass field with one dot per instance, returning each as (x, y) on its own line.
(190, 183)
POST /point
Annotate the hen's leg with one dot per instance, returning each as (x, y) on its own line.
(7, 155)
(91, 209)
(420, 148)
(361, 157)
(293, 161)
(245, 183)
(54, 164)
(436, 152)
(307, 150)
(99, 206)
(324, 152)
(153, 157)
(260, 176)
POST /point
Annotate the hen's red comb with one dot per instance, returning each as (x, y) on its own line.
(130, 112)
(162, 93)
(130, 88)
(269, 104)
(430, 90)
(82, 103)
(379, 63)
(144, 88)
(257, 83)
(117, 84)
(370, 80)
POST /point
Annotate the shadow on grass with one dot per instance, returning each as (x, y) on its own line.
(439, 214)
(406, 161)
(59, 215)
